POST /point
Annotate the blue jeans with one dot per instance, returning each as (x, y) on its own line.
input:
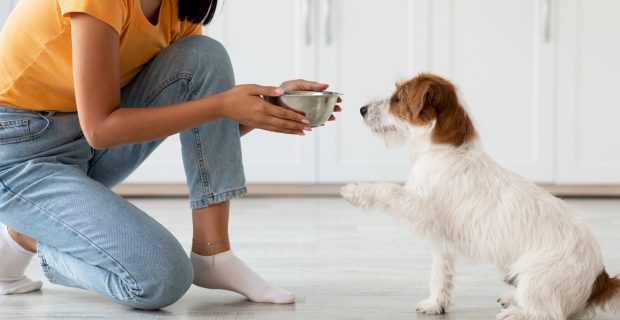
(56, 189)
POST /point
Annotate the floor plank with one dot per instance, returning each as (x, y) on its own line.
(341, 263)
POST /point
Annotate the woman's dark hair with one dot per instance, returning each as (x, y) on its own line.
(197, 11)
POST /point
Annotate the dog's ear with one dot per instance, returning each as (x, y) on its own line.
(428, 98)
(453, 125)
(422, 101)
(416, 101)
(413, 102)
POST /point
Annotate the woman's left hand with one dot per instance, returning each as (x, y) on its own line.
(305, 85)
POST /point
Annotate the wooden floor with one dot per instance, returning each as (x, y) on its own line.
(340, 262)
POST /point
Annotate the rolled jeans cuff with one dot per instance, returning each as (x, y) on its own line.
(215, 198)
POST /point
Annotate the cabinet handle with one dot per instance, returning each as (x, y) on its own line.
(327, 13)
(546, 28)
(308, 21)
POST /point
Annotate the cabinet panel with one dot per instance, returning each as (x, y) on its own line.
(5, 10)
(267, 41)
(364, 49)
(500, 55)
(589, 104)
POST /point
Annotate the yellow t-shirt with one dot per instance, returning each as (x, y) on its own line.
(36, 70)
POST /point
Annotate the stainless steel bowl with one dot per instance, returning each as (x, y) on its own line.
(316, 106)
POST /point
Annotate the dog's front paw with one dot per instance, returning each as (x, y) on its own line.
(430, 306)
(358, 194)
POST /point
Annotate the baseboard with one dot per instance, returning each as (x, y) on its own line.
(584, 190)
(328, 190)
(180, 190)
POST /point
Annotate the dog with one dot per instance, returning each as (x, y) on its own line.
(471, 207)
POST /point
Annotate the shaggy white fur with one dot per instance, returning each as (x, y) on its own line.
(470, 206)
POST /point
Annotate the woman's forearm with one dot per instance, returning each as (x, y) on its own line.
(243, 130)
(136, 125)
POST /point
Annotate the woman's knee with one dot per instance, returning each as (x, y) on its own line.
(209, 59)
(164, 284)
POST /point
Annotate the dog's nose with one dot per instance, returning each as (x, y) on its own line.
(364, 110)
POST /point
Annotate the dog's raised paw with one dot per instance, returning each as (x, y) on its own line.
(356, 195)
(429, 306)
(348, 191)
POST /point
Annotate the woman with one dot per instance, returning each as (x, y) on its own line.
(87, 90)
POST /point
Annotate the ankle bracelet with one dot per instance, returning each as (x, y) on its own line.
(210, 243)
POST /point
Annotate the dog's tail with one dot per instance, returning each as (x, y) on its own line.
(606, 293)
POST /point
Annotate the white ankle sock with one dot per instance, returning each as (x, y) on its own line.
(226, 271)
(13, 262)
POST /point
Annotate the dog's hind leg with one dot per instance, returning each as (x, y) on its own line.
(516, 313)
(588, 313)
(543, 294)
(507, 300)
(522, 308)
(441, 284)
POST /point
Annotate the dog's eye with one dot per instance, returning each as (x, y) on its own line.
(395, 99)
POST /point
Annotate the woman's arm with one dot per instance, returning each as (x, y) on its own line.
(96, 71)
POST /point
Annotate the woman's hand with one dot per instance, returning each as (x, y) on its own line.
(305, 85)
(244, 105)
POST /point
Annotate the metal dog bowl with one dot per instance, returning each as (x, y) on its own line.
(316, 106)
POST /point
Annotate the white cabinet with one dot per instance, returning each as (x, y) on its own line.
(500, 54)
(5, 9)
(589, 104)
(270, 41)
(364, 49)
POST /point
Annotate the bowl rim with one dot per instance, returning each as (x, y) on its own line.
(307, 93)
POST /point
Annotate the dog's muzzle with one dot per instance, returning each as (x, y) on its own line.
(364, 111)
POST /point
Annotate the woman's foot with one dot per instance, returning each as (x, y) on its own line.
(14, 261)
(225, 271)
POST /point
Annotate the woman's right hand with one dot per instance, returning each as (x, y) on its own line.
(244, 104)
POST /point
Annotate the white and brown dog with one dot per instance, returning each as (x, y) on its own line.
(470, 206)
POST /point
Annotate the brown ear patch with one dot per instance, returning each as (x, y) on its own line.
(410, 104)
(428, 97)
(604, 289)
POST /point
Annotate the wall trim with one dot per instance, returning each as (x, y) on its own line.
(134, 190)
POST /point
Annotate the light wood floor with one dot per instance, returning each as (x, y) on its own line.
(340, 262)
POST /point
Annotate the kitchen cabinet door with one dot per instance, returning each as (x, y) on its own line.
(5, 10)
(589, 105)
(364, 49)
(500, 54)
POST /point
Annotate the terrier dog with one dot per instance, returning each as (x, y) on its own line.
(470, 206)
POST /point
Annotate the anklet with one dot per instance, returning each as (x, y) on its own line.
(210, 245)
